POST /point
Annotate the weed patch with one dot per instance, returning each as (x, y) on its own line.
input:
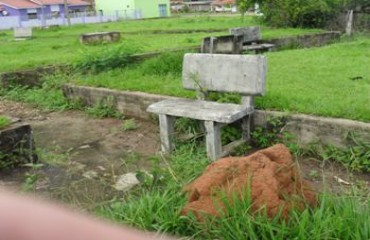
(48, 97)
(356, 157)
(269, 134)
(129, 124)
(104, 108)
(4, 122)
(105, 59)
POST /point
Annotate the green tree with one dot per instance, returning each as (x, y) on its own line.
(299, 13)
(243, 6)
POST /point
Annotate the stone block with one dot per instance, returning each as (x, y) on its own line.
(98, 37)
(17, 145)
(22, 33)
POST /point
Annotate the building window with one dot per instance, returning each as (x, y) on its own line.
(32, 13)
(54, 8)
(162, 10)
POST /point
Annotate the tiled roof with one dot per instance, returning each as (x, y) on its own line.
(24, 4)
(223, 2)
(52, 2)
(19, 4)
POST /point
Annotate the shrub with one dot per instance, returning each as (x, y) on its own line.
(299, 13)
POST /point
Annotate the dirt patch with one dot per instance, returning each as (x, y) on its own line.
(81, 156)
(269, 175)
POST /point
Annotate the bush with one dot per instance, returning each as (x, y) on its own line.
(299, 13)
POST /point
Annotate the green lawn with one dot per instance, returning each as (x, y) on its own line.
(61, 45)
(330, 81)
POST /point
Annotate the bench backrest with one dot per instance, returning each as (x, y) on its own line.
(250, 34)
(244, 74)
(229, 44)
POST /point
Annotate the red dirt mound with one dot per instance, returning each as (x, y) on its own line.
(271, 175)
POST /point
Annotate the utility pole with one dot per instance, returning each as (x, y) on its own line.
(66, 12)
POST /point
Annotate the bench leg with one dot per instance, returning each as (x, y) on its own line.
(166, 127)
(213, 140)
(246, 128)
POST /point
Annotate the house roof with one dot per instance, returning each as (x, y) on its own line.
(19, 4)
(223, 2)
(24, 4)
(209, 2)
(52, 2)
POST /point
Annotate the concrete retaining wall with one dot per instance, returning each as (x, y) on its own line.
(28, 77)
(307, 129)
(304, 41)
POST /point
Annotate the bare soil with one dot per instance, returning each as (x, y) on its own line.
(82, 157)
(80, 154)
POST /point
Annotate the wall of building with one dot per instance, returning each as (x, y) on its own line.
(110, 6)
(11, 11)
(146, 9)
(150, 9)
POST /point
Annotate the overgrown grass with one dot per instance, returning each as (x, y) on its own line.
(48, 97)
(355, 157)
(61, 45)
(157, 205)
(105, 59)
(331, 81)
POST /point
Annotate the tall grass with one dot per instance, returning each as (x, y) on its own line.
(48, 97)
(157, 208)
(106, 58)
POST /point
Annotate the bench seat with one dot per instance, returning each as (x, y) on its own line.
(258, 47)
(201, 110)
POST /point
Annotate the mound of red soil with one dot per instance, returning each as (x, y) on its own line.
(269, 176)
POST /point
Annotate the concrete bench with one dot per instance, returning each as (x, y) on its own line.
(22, 33)
(252, 39)
(98, 37)
(243, 74)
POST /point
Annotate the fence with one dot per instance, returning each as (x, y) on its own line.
(44, 20)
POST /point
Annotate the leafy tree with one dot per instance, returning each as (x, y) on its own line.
(243, 6)
(299, 13)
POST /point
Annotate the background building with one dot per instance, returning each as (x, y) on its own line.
(140, 8)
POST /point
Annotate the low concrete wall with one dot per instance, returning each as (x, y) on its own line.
(129, 103)
(98, 37)
(28, 77)
(307, 129)
(304, 41)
